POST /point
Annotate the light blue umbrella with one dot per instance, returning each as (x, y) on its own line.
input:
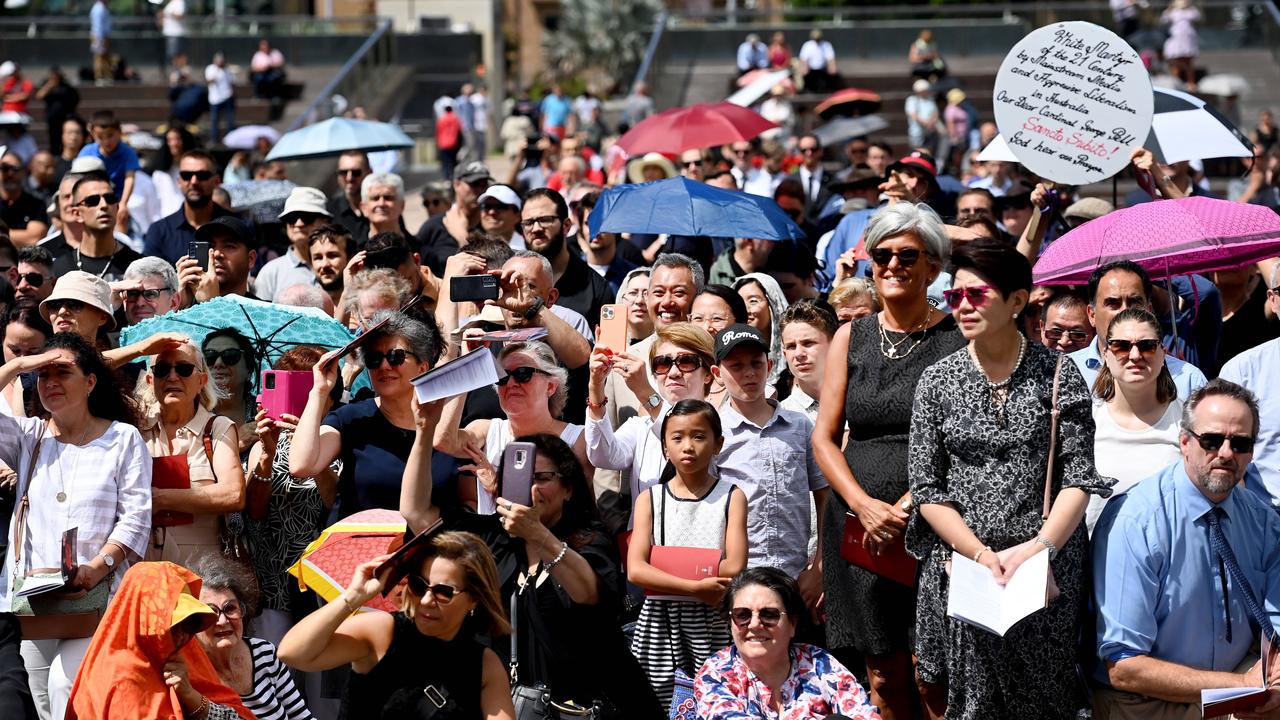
(336, 136)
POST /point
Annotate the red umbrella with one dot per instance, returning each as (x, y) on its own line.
(850, 101)
(697, 126)
(328, 563)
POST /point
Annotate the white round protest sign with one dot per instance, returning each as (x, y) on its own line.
(1073, 100)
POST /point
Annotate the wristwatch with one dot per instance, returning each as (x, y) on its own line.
(653, 401)
(533, 310)
(109, 560)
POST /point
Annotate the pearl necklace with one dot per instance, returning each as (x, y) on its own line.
(889, 348)
(1000, 390)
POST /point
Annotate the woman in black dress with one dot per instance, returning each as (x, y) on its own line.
(427, 651)
(979, 447)
(872, 369)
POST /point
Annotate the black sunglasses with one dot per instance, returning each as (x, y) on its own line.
(1212, 442)
(351, 171)
(1122, 347)
(34, 279)
(306, 218)
(1055, 334)
(93, 200)
(686, 362)
(522, 375)
(54, 306)
(906, 256)
(769, 617)
(444, 594)
(162, 369)
(395, 358)
(230, 356)
(201, 175)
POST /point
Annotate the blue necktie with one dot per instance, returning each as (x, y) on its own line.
(1218, 541)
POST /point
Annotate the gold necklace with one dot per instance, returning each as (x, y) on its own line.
(889, 348)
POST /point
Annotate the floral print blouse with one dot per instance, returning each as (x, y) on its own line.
(818, 686)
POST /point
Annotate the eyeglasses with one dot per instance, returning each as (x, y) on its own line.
(201, 175)
(691, 163)
(635, 295)
(685, 362)
(546, 476)
(521, 375)
(713, 319)
(1055, 334)
(6, 167)
(350, 171)
(906, 256)
(1146, 346)
(231, 611)
(230, 356)
(162, 369)
(444, 594)
(395, 358)
(769, 617)
(34, 279)
(1212, 442)
(147, 294)
(810, 150)
(975, 294)
(93, 200)
(73, 306)
(545, 221)
(306, 217)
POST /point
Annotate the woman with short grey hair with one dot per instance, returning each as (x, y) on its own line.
(247, 665)
(532, 393)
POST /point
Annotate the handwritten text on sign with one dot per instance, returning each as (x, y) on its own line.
(1072, 100)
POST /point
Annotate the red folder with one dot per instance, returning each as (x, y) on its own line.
(688, 563)
(170, 472)
(893, 563)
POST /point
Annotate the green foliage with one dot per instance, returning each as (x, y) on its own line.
(605, 37)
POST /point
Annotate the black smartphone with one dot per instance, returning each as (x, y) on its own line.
(473, 288)
(199, 249)
(517, 473)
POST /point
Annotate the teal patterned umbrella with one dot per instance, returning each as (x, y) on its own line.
(272, 329)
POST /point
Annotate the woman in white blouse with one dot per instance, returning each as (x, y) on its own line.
(92, 473)
(1137, 418)
(681, 360)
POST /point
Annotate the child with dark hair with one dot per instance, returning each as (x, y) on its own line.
(120, 159)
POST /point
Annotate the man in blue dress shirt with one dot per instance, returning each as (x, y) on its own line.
(1115, 287)
(1186, 572)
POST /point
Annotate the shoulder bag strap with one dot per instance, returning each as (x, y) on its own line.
(206, 439)
(20, 513)
(514, 663)
(1054, 414)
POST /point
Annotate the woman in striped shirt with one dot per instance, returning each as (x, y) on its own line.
(247, 665)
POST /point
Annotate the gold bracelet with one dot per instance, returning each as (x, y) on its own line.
(978, 555)
(202, 710)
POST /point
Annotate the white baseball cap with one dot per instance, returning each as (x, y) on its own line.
(503, 194)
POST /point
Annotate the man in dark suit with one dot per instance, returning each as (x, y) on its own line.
(813, 177)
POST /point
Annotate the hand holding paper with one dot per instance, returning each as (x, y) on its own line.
(976, 597)
(469, 372)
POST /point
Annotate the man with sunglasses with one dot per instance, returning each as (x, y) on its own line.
(170, 237)
(1255, 369)
(35, 275)
(94, 205)
(304, 212)
(1115, 287)
(813, 176)
(20, 210)
(344, 205)
(1186, 570)
(500, 215)
(1066, 325)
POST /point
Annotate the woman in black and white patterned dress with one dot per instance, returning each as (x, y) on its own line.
(978, 450)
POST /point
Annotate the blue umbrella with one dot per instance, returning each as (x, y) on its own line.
(680, 206)
(336, 136)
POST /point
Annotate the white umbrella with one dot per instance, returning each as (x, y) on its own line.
(747, 96)
(1223, 85)
(1184, 127)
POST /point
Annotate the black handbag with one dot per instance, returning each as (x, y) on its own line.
(534, 702)
(430, 702)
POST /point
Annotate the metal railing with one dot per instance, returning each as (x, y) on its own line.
(62, 26)
(356, 81)
(651, 49)
(1270, 27)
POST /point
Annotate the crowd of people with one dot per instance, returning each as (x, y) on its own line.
(892, 386)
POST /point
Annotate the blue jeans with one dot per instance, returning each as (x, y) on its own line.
(225, 110)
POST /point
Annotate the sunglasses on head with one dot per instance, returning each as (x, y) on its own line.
(395, 358)
(162, 369)
(686, 362)
(1055, 334)
(148, 294)
(1212, 442)
(522, 375)
(769, 617)
(1123, 347)
(230, 356)
(34, 279)
(444, 594)
(977, 296)
(201, 175)
(74, 306)
(93, 200)
(906, 256)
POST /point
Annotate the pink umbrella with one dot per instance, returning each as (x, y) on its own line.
(1167, 237)
(697, 126)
